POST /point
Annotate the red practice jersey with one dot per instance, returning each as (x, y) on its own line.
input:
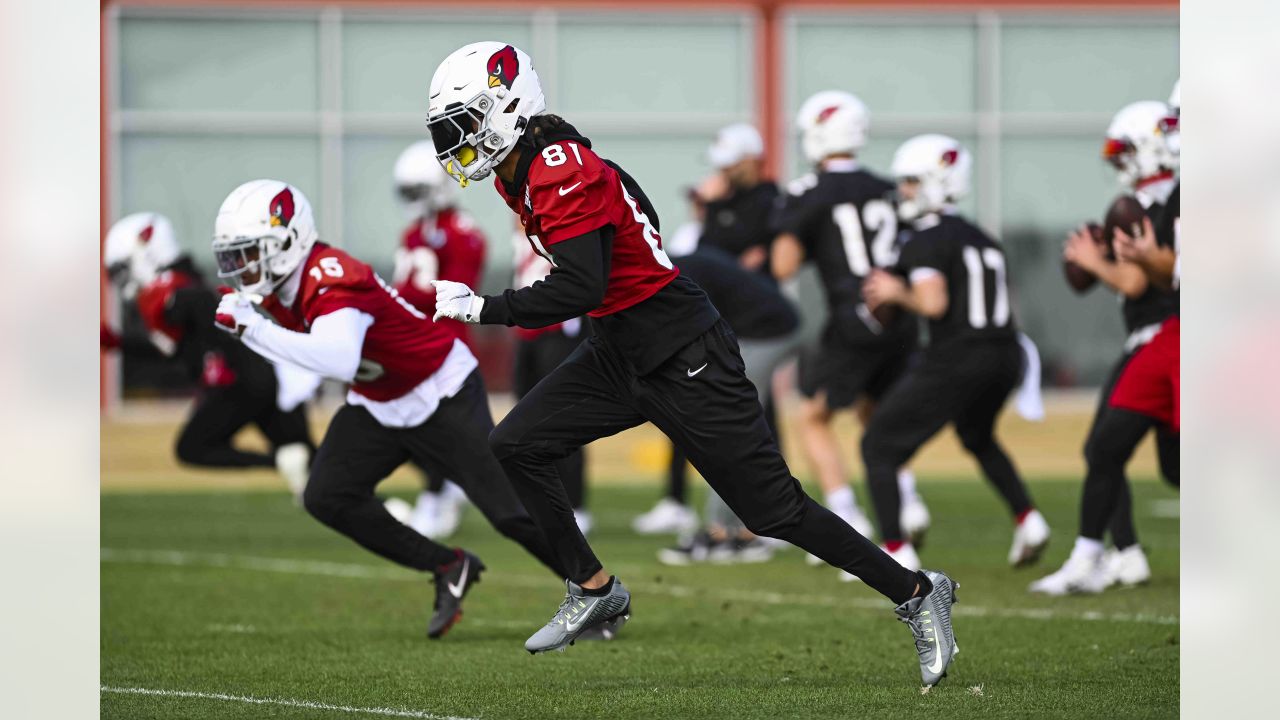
(571, 191)
(154, 300)
(447, 247)
(402, 347)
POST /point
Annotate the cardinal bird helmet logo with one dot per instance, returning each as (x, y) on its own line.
(282, 209)
(503, 67)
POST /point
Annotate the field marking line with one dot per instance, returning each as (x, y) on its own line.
(180, 558)
(249, 699)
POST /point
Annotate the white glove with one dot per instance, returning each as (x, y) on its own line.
(455, 300)
(236, 314)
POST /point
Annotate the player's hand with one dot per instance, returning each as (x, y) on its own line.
(753, 257)
(883, 288)
(456, 301)
(1083, 251)
(1137, 249)
(235, 313)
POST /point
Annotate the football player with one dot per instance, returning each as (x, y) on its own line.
(954, 276)
(659, 351)
(440, 243)
(237, 388)
(1143, 389)
(538, 352)
(415, 393)
(842, 218)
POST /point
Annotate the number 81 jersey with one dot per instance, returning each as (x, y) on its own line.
(402, 347)
(844, 219)
(571, 191)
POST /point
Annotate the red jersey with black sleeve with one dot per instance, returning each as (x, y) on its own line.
(448, 246)
(402, 347)
(599, 231)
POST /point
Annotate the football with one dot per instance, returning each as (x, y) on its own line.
(1078, 278)
(1125, 212)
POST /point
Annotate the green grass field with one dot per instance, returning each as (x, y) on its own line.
(212, 599)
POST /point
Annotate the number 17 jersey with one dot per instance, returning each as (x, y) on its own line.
(847, 225)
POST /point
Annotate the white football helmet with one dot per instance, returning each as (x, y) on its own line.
(482, 97)
(832, 122)
(263, 232)
(941, 165)
(422, 186)
(137, 248)
(1137, 143)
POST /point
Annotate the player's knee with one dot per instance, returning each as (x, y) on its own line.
(505, 441)
(977, 442)
(879, 449)
(320, 501)
(189, 450)
(1101, 452)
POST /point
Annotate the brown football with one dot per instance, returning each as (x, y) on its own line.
(1078, 278)
(1126, 213)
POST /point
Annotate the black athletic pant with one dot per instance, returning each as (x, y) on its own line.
(220, 412)
(713, 414)
(1108, 448)
(358, 452)
(678, 466)
(965, 383)
(535, 359)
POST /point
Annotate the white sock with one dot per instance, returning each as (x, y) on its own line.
(843, 503)
(1087, 548)
(907, 485)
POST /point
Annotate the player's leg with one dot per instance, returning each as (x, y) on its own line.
(827, 386)
(575, 404)
(915, 409)
(356, 454)
(205, 439)
(975, 425)
(1121, 527)
(454, 441)
(581, 400)
(890, 364)
(1117, 436)
(716, 417)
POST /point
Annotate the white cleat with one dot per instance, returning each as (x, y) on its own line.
(914, 519)
(1030, 538)
(399, 509)
(293, 463)
(1079, 575)
(668, 516)
(1128, 567)
(858, 521)
(423, 517)
(584, 521)
(905, 556)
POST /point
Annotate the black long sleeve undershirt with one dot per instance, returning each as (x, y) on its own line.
(575, 286)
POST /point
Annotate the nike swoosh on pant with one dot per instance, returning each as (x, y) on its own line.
(456, 590)
(695, 372)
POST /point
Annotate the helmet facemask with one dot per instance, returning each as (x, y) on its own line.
(467, 144)
(246, 263)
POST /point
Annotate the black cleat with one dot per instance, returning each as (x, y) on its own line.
(452, 583)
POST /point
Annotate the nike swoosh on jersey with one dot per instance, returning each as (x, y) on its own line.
(456, 590)
(566, 190)
(695, 372)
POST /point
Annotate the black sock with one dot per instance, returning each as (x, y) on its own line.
(600, 591)
(926, 585)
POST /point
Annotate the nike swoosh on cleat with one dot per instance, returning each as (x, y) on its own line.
(456, 590)
(570, 626)
(936, 665)
(695, 372)
(566, 190)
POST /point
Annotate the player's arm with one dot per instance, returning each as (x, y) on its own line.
(786, 256)
(575, 286)
(331, 348)
(1156, 260)
(925, 295)
(1125, 278)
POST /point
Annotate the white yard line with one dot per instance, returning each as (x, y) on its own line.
(352, 570)
(308, 704)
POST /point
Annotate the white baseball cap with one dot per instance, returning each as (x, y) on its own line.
(734, 144)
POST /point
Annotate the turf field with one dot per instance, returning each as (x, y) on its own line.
(235, 604)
